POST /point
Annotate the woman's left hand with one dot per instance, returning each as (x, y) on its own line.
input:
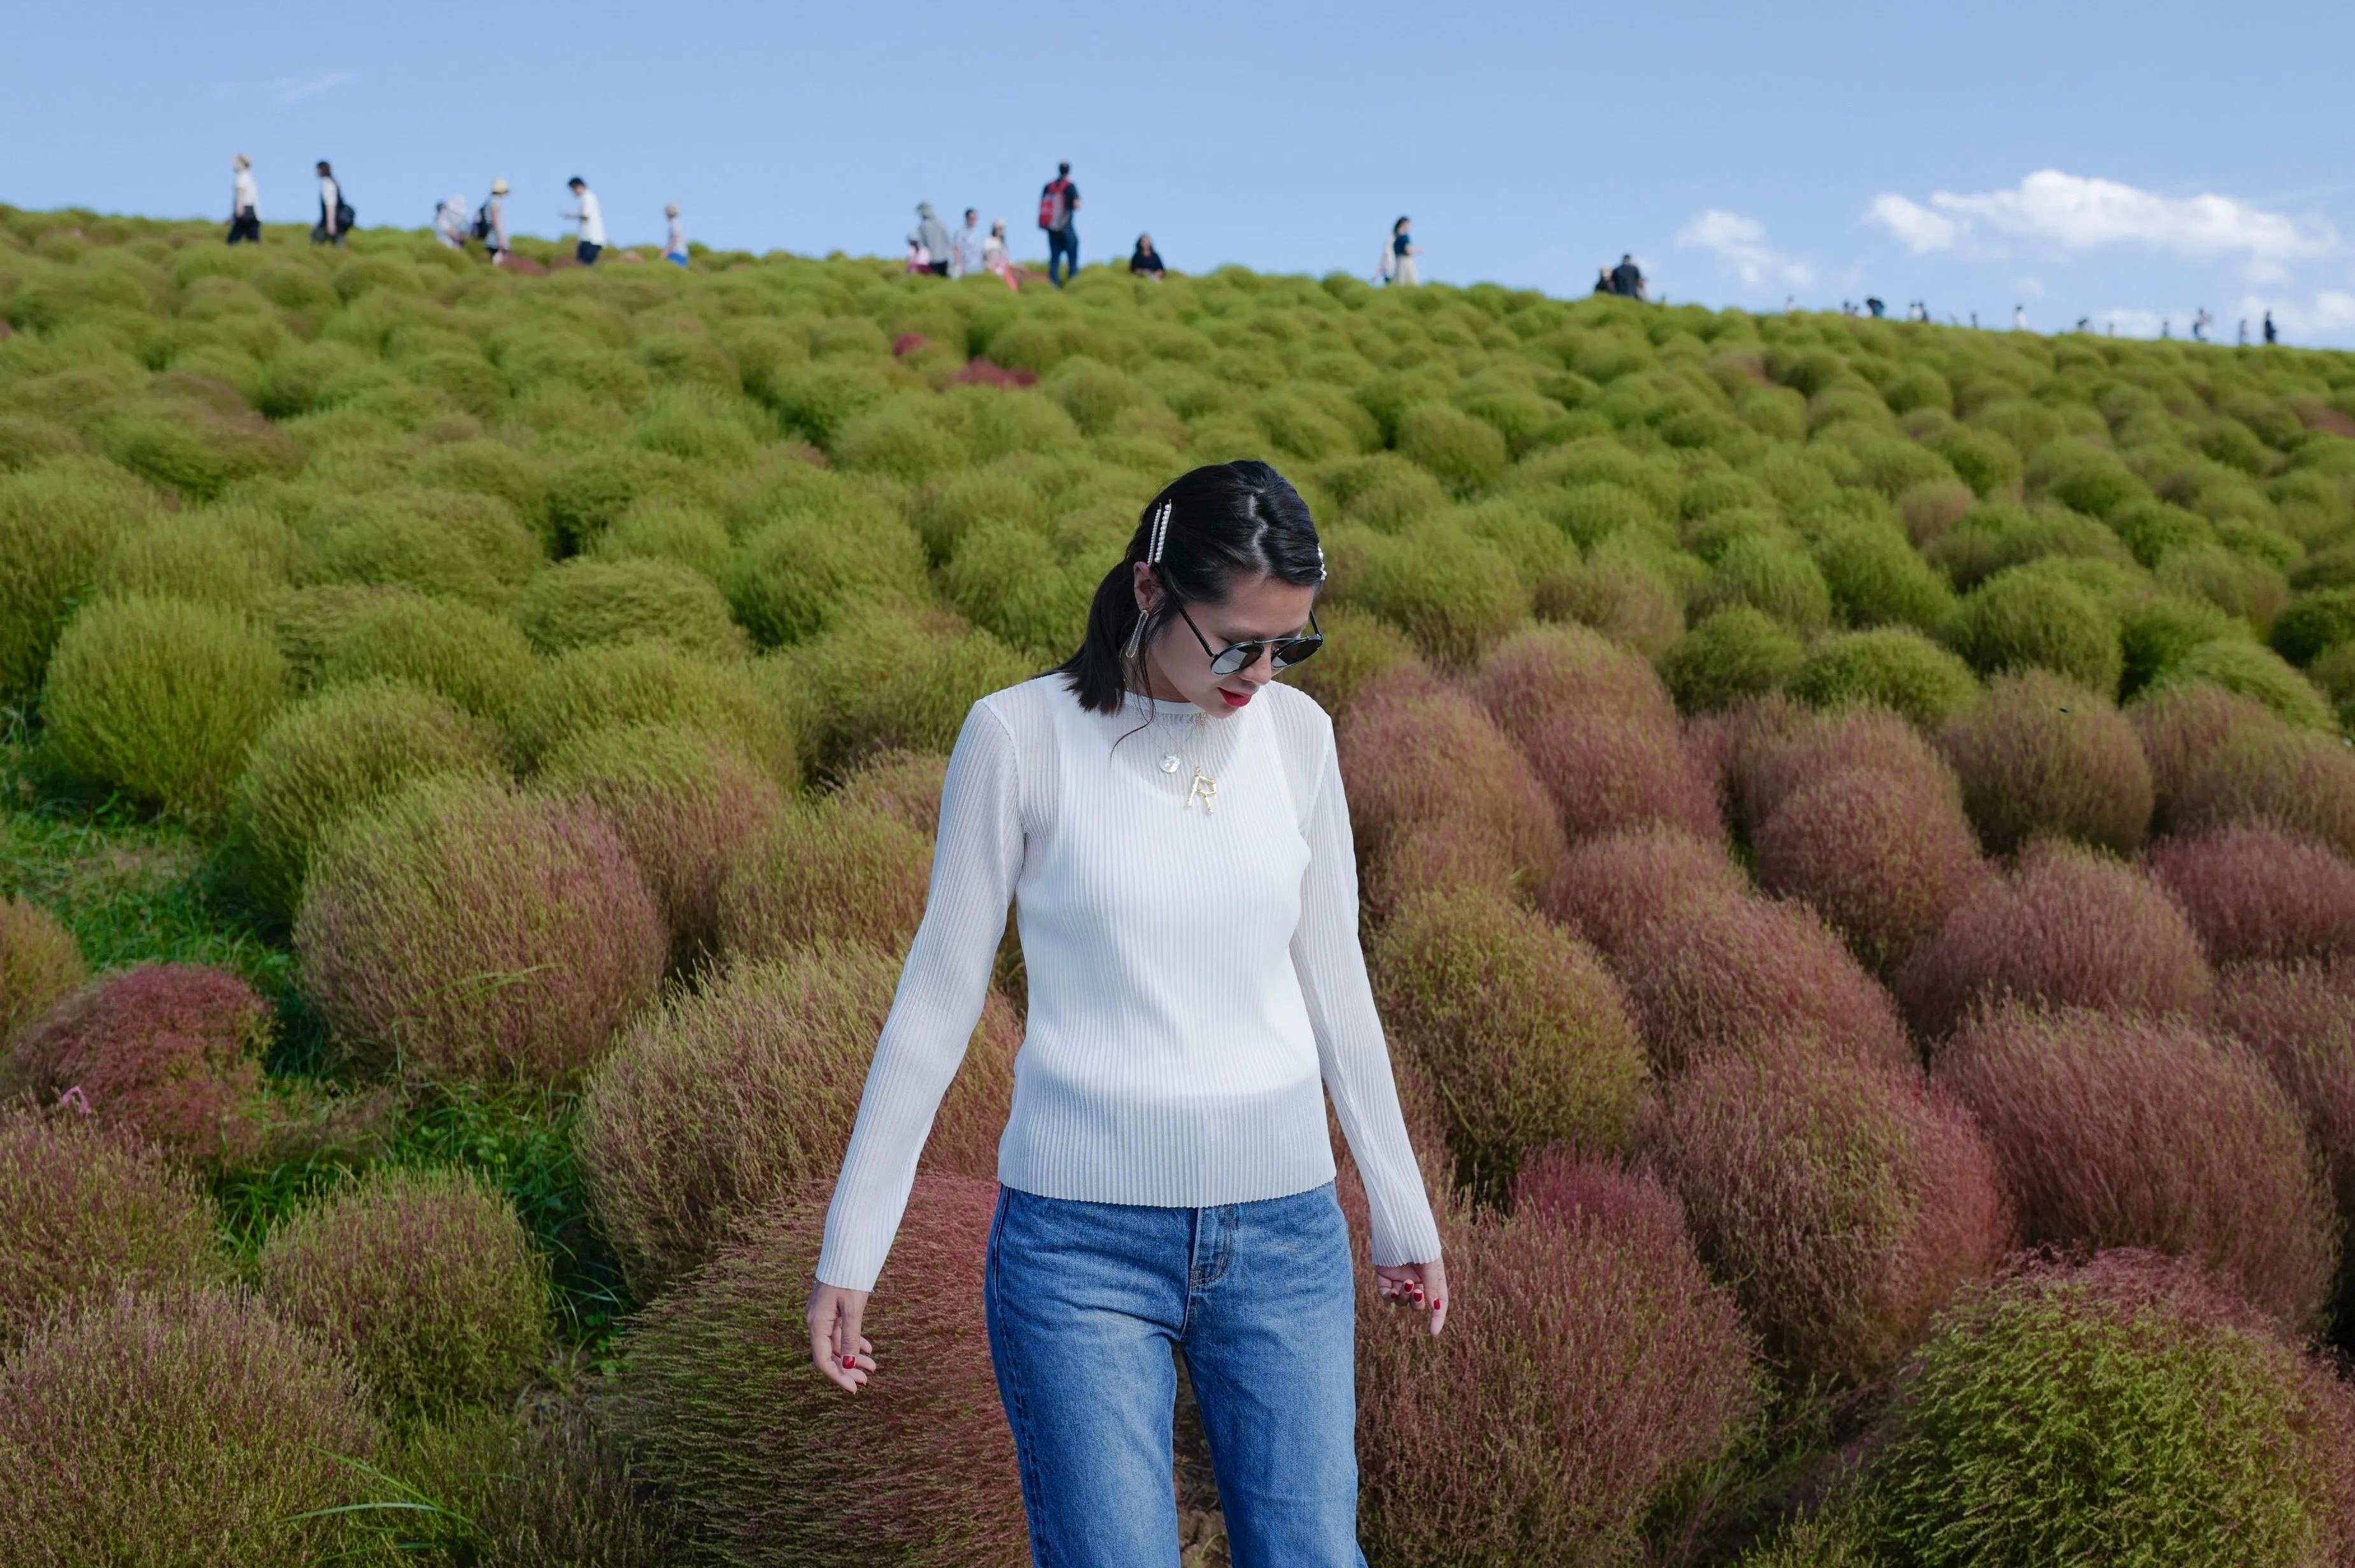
(1417, 1284)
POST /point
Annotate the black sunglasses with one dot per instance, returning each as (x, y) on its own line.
(1288, 651)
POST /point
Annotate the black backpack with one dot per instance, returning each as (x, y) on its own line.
(482, 221)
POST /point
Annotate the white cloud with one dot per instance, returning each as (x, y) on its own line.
(1922, 230)
(2069, 213)
(1739, 245)
(292, 90)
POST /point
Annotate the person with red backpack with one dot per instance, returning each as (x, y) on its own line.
(1058, 204)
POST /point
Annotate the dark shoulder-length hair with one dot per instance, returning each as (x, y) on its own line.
(1212, 527)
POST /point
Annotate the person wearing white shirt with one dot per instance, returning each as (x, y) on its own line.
(591, 220)
(494, 220)
(965, 251)
(244, 204)
(449, 222)
(1167, 822)
(334, 216)
(675, 247)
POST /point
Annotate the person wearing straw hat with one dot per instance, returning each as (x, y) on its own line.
(491, 222)
(245, 204)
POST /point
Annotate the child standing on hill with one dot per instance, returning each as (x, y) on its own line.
(675, 247)
(591, 217)
(244, 204)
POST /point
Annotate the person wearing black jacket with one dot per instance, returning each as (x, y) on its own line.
(1145, 262)
(335, 213)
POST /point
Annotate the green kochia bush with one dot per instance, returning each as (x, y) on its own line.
(888, 679)
(593, 689)
(1517, 1024)
(2124, 1411)
(731, 1099)
(2028, 618)
(477, 660)
(2039, 756)
(162, 699)
(38, 964)
(796, 576)
(425, 1279)
(830, 873)
(726, 1414)
(58, 521)
(340, 752)
(585, 602)
(179, 1427)
(1735, 654)
(470, 932)
(1894, 666)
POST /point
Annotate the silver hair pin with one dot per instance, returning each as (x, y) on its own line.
(1320, 563)
(1160, 536)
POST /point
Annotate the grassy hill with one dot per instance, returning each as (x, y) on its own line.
(1842, 805)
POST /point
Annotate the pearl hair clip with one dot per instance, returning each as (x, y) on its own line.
(1160, 536)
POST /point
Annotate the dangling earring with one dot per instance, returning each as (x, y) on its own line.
(1136, 636)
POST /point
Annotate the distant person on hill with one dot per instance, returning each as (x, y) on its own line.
(932, 237)
(2200, 321)
(2018, 318)
(1397, 256)
(491, 222)
(1059, 210)
(1879, 308)
(674, 244)
(2271, 336)
(1145, 262)
(449, 222)
(995, 258)
(335, 213)
(1627, 279)
(592, 218)
(965, 250)
(2244, 332)
(244, 204)
(1603, 281)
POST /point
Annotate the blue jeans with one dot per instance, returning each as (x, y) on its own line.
(1085, 1303)
(1063, 245)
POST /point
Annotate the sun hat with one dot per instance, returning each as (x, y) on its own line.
(498, 188)
(241, 161)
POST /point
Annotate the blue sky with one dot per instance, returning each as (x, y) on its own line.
(2128, 164)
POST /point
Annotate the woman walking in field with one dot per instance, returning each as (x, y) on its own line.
(1169, 826)
(244, 204)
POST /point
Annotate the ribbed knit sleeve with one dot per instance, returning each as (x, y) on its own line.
(941, 991)
(1352, 1052)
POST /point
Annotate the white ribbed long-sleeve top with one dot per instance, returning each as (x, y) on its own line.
(1196, 982)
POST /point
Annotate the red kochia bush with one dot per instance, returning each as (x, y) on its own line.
(826, 873)
(2300, 1020)
(168, 1051)
(2038, 755)
(1722, 973)
(1776, 753)
(2255, 892)
(1543, 671)
(2129, 1130)
(177, 1428)
(2295, 780)
(1413, 753)
(85, 1209)
(1606, 772)
(2181, 726)
(902, 785)
(478, 933)
(730, 1097)
(771, 1463)
(1843, 1202)
(1589, 1367)
(1610, 890)
(1883, 857)
(2067, 927)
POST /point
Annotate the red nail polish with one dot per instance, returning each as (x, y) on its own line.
(849, 1362)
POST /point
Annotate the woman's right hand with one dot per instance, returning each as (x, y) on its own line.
(837, 1348)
